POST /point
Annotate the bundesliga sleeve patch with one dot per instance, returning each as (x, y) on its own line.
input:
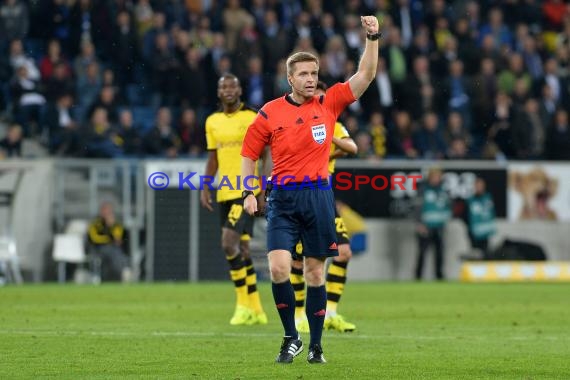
(319, 133)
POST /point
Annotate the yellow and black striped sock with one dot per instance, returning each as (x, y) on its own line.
(251, 281)
(298, 282)
(336, 278)
(238, 275)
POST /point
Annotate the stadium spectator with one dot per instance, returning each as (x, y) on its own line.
(18, 58)
(480, 218)
(378, 132)
(528, 131)
(235, 19)
(59, 83)
(107, 240)
(191, 134)
(434, 211)
(84, 59)
(162, 140)
(395, 57)
(101, 139)
(51, 59)
(419, 92)
(11, 144)
(164, 66)
(516, 70)
(455, 129)
(248, 46)
(496, 28)
(149, 39)
(484, 93)
(457, 93)
(106, 100)
(28, 100)
(458, 150)
(526, 43)
(257, 86)
(327, 30)
(63, 127)
(400, 137)
(275, 42)
(380, 95)
(429, 140)
(88, 89)
(14, 21)
(130, 134)
(124, 50)
(558, 138)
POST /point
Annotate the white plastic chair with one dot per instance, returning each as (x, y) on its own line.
(69, 247)
(9, 262)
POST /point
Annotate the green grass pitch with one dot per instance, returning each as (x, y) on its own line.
(181, 331)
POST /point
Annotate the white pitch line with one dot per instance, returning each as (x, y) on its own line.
(191, 334)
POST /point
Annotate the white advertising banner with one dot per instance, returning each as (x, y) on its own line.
(538, 191)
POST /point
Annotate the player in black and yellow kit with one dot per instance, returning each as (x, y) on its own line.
(225, 131)
(336, 275)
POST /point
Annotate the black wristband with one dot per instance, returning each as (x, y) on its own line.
(373, 37)
(246, 193)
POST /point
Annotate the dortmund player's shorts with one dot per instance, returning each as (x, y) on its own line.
(341, 236)
(234, 217)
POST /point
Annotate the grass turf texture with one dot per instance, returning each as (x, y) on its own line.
(162, 331)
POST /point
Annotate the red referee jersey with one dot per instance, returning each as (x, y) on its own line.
(299, 135)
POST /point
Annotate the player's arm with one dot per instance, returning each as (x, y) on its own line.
(344, 147)
(254, 146)
(247, 173)
(266, 162)
(211, 170)
(265, 172)
(367, 67)
(211, 166)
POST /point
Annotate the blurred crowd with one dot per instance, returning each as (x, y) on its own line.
(456, 79)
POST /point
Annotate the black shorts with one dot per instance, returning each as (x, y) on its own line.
(305, 214)
(341, 236)
(233, 216)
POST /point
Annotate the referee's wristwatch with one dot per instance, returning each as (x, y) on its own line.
(373, 37)
(246, 193)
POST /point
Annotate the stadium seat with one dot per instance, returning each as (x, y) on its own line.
(9, 262)
(69, 247)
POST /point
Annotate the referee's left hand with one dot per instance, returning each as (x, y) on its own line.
(250, 204)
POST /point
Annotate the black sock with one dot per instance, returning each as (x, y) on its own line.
(285, 302)
(315, 306)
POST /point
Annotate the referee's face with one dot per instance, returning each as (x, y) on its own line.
(304, 79)
(229, 91)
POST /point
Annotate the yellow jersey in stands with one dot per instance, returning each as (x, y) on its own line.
(224, 134)
(340, 132)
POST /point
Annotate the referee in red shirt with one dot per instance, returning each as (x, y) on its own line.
(299, 129)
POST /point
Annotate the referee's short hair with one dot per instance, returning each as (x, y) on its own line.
(301, 56)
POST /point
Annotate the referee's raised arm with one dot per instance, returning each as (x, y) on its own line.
(367, 67)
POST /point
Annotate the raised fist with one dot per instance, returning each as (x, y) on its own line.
(370, 23)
